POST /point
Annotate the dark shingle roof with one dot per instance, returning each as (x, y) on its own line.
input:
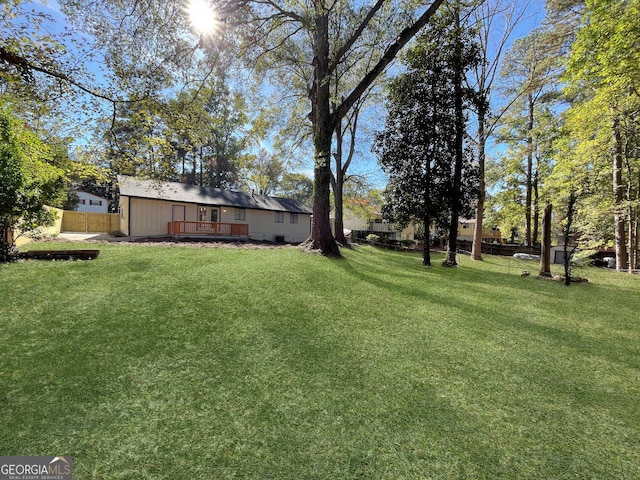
(182, 192)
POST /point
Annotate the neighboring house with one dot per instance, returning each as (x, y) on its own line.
(360, 228)
(91, 203)
(153, 208)
(467, 227)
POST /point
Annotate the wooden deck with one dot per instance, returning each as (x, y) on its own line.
(213, 229)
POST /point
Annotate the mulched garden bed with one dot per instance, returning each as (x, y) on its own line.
(60, 254)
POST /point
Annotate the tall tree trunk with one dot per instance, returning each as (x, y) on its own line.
(545, 248)
(6, 235)
(342, 166)
(338, 202)
(321, 236)
(632, 215)
(337, 183)
(323, 120)
(618, 192)
(633, 240)
(536, 209)
(529, 177)
(476, 249)
(201, 168)
(194, 170)
(636, 227)
(567, 238)
(458, 147)
(7, 245)
(426, 252)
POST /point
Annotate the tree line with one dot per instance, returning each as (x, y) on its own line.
(559, 107)
(575, 127)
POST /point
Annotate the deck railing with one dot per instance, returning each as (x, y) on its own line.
(215, 229)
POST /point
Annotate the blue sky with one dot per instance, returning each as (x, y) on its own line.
(365, 163)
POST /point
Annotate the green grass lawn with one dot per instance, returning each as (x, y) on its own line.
(188, 363)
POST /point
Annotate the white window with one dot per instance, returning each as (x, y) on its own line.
(293, 218)
(202, 214)
(241, 214)
(279, 217)
(95, 202)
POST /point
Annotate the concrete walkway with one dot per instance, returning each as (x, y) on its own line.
(82, 237)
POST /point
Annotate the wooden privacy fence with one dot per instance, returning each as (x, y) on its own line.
(90, 222)
(506, 250)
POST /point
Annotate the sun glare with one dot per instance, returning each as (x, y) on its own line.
(202, 16)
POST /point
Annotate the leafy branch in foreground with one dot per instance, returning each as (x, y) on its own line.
(28, 183)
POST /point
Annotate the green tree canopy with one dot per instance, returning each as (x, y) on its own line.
(430, 174)
(28, 182)
(297, 186)
(602, 79)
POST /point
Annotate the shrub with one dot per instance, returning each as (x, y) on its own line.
(373, 238)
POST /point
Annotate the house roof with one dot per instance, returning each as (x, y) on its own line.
(182, 192)
(77, 191)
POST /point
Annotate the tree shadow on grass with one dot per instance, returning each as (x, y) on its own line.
(512, 309)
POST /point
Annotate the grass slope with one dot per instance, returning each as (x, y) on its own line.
(172, 363)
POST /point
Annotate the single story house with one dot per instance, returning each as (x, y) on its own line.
(152, 208)
(88, 202)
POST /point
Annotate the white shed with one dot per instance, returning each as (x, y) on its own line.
(557, 253)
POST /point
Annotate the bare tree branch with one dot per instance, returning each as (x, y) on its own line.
(389, 55)
(23, 64)
(281, 11)
(356, 34)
